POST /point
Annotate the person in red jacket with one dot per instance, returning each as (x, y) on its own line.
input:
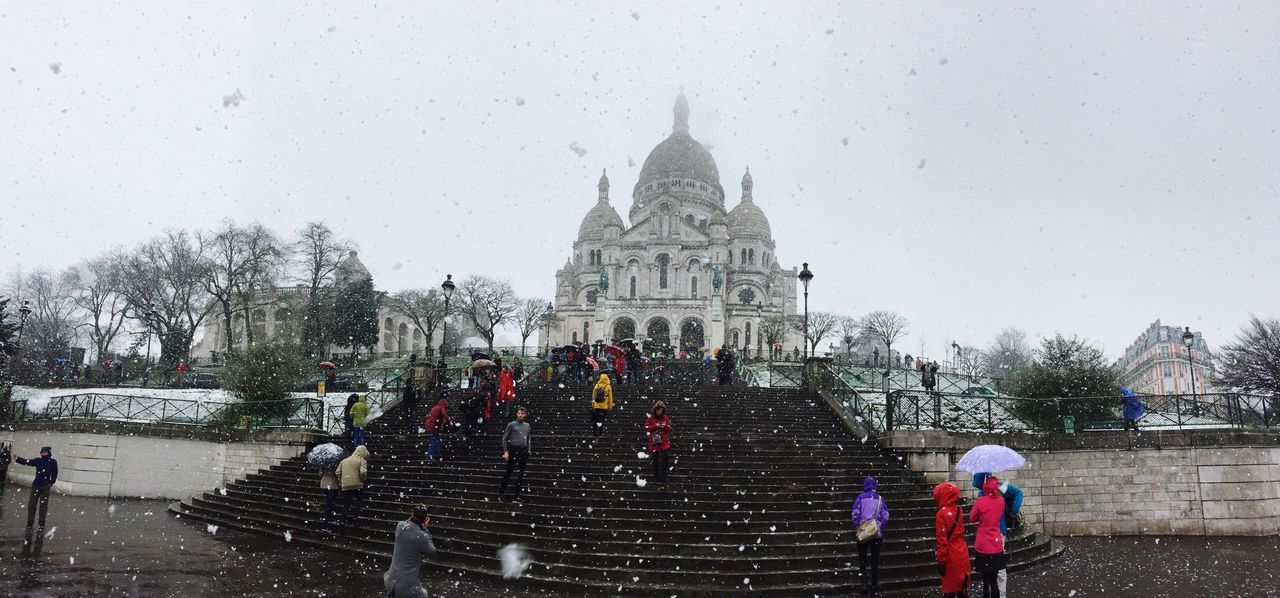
(658, 426)
(989, 543)
(506, 390)
(950, 549)
(436, 420)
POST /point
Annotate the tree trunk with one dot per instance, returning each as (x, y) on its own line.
(227, 320)
(248, 328)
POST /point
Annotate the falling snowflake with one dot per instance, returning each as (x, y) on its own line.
(56, 67)
(515, 560)
(578, 149)
(641, 482)
(288, 536)
(519, 101)
(213, 529)
(233, 99)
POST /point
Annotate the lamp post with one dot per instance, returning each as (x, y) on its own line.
(447, 286)
(547, 318)
(23, 311)
(1189, 339)
(759, 332)
(805, 276)
(147, 317)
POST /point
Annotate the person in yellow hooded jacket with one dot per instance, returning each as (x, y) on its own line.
(601, 404)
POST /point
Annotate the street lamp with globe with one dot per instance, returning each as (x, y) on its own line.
(447, 286)
(805, 276)
(1189, 339)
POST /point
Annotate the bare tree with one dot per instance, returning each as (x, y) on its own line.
(821, 325)
(849, 329)
(224, 266)
(529, 317)
(52, 324)
(884, 327)
(166, 275)
(424, 308)
(319, 253)
(1252, 361)
(487, 303)
(263, 264)
(774, 331)
(97, 295)
(1008, 353)
(970, 361)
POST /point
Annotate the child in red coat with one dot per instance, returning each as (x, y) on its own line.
(658, 426)
(950, 549)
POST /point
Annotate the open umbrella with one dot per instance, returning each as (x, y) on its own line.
(990, 458)
(327, 455)
(327, 364)
(482, 364)
(478, 356)
(591, 362)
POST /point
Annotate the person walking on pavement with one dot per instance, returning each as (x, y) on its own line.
(435, 424)
(352, 472)
(988, 510)
(359, 415)
(412, 544)
(601, 404)
(867, 508)
(46, 476)
(329, 483)
(1132, 409)
(1010, 520)
(515, 451)
(950, 549)
(658, 426)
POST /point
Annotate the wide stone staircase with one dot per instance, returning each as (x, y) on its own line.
(757, 502)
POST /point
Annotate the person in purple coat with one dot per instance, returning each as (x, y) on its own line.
(870, 505)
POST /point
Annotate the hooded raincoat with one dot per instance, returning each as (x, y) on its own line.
(437, 417)
(353, 469)
(506, 385)
(950, 549)
(659, 429)
(359, 412)
(870, 505)
(602, 394)
(988, 510)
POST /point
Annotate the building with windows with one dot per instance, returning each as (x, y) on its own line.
(1156, 363)
(277, 315)
(686, 272)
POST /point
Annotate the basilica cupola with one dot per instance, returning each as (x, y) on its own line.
(601, 216)
(746, 220)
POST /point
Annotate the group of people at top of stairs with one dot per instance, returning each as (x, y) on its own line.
(996, 511)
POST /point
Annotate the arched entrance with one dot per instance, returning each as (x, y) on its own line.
(624, 328)
(659, 332)
(691, 336)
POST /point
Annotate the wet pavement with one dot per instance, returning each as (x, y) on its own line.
(102, 547)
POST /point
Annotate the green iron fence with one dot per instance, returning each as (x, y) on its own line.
(291, 413)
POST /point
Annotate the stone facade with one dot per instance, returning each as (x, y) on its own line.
(1175, 483)
(686, 272)
(1156, 363)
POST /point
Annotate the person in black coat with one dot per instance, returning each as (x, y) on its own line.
(409, 402)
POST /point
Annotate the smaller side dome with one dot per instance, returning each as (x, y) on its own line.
(747, 219)
(602, 215)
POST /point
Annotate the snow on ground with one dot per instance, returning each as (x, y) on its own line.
(38, 398)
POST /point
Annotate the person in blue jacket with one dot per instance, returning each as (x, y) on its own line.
(1132, 408)
(1013, 500)
(46, 475)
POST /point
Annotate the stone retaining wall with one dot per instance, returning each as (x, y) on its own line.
(1096, 484)
(136, 460)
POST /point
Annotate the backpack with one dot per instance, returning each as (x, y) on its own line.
(1012, 520)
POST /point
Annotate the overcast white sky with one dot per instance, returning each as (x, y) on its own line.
(1085, 168)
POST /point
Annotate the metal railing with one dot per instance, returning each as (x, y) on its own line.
(290, 413)
(978, 410)
(772, 374)
(979, 413)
